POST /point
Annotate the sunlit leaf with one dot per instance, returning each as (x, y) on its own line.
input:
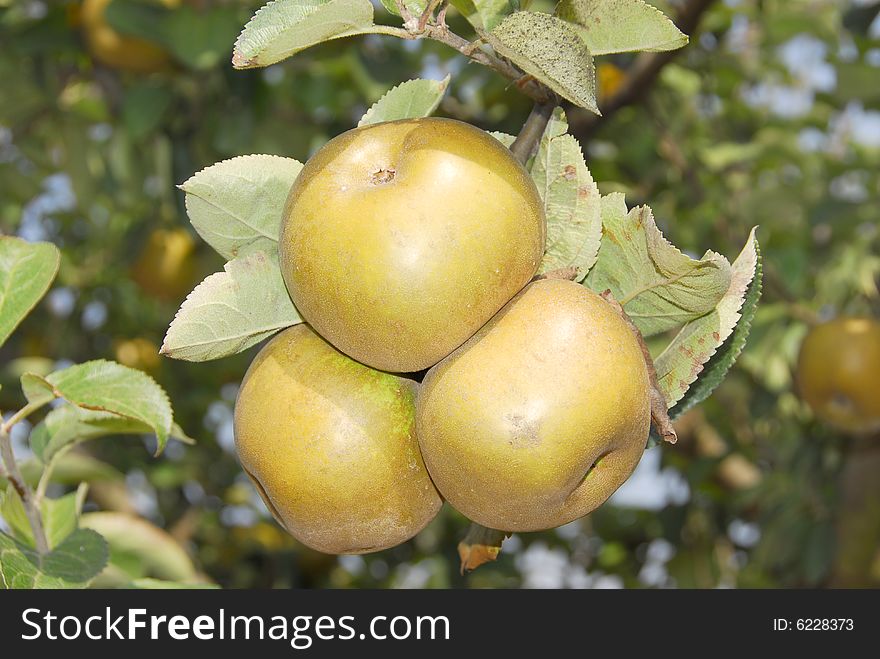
(551, 50)
(285, 27)
(707, 347)
(68, 425)
(106, 387)
(412, 99)
(617, 26)
(231, 310)
(659, 287)
(26, 270)
(571, 200)
(238, 203)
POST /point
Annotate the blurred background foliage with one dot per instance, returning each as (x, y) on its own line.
(770, 117)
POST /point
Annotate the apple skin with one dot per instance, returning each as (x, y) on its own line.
(120, 51)
(838, 373)
(400, 240)
(539, 417)
(330, 445)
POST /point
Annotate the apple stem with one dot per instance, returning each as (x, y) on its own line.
(569, 273)
(659, 408)
(480, 545)
(530, 136)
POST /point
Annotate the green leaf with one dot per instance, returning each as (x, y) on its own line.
(551, 50)
(232, 310)
(658, 286)
(144, 107)
(59, 516)
(200, 39)
(72, 468)
(412, 99)
(106, 386)
(73, 564)
(727, 326)
(157, 584)
(619, 26)
(485, 14)
(238, 203)
(504, 138)
(416, 7)
(571, 200)
(26, 270)
(68, 425)
(285, 27)
(144, 20)
(140, 548)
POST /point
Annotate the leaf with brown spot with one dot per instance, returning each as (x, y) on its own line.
(571, 200)
(658, 286)
(685, 358)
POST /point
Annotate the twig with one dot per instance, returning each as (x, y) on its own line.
(530, 135)
(422, 27)
(569, 273)
(659, 408)
(404, 12)
(441, 15)
(14, 476)
(427, 14)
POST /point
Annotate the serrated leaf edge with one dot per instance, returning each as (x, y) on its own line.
(443, 84)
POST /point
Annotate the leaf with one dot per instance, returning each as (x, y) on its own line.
(106, 387)
(26, 270)
(144, 20)
(571, 200)
(238, 203)
(659, 287)
(231, 310)
(416, 7)
(144, 107)
(504, 138)
(142, 547)
(619, 26)
(73, 564)
(412, 99)
(485, 14)
(68, 425)
(157, 584)
(285, 27)
(200, 39)
(550, 50)
(708, 347)
(59, 516)
(72, 468)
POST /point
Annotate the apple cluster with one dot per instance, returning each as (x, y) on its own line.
(433, 364)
